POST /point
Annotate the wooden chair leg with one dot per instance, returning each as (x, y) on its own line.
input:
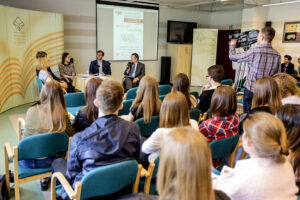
(16, 174)
(17, 191)
(137, 180)
(148, 178)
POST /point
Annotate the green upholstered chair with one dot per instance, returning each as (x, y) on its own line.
(223, 148)
(131, 93)
(162, 97)
(126, 107)
(164, 89)
(33, 147)
(195, 114)
(195, 93)
(298, 84)
(75, 99)
(101, 181)
(227, 82)
(148, 128)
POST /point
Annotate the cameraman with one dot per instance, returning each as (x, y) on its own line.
(262, 61)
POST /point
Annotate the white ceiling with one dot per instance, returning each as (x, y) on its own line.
(210, 5)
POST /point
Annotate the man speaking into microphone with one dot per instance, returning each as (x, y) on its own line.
(133, 73)
(262, 61)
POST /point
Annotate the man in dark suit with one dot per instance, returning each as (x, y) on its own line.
(100, 66)
(134, 72)
(287, 66)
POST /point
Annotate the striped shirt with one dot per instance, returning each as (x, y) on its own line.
(262, 61)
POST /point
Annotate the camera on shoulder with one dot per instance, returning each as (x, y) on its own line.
(245, 39)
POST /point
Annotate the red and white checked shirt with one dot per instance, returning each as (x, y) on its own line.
(217, 128)
(262, 60)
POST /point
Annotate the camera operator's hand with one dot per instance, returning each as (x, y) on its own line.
(233, 42)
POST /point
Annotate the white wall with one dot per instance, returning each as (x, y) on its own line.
(226, 20)
(80, 29)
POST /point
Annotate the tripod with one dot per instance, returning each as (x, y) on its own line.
(240, 76)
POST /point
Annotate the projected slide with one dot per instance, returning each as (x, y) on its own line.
(123, 30)
(128, 33)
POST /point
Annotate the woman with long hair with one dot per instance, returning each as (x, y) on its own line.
(174, 112)
(86, 116)
(147, 102)
(182, 84)
(67, 71)
(290, 116)
(266, 174)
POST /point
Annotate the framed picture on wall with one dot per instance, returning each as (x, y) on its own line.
(291, 32)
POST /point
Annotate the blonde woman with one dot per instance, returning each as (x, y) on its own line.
(185, 167)
(289, 90)
(147, 102)
(174, 113)
(43, 70)
(267, 174)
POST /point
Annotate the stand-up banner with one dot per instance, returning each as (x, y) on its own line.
(24, 33)
(204, 54)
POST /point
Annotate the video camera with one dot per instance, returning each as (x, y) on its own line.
(245, 39)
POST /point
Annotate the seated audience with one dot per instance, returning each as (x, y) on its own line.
(290, 115)
(287, 66)
(108, 140)
(288, 88)
(48, 116)
(174, 112)
(86, 116)
(215, 76)
(147, 102)
(67, 71)
(100, 66)
(224, 122)
(182, 84)
(267, 174)
(134, 72)
(44, 72)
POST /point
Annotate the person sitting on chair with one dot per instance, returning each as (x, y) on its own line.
(287, 66)
(134, 72)
(100, 66)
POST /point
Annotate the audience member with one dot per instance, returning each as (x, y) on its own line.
(299, 66)
(290, 115)
(147, 102)
(48, 116)
(134, 72)
(288, 88)
(182, 84)
(287, 66)
(174, 113)
(108, 140)
(267, 174)
(86, 116)
(185, 167)
(44, 72)
(214, 78)
(100, 66)
(224, 121)
(67, 71)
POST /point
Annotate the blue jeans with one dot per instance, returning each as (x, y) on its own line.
(247, 100)
(37, 163)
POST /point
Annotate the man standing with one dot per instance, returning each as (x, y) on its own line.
(262, 60)
(100, 66)
(287, 66)
(134, 72)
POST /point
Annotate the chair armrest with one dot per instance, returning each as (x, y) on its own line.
(8, 150)
(67, 154)
(148, 175)
(21, 124)
(202, 117)
(144, 173)
(65, 184)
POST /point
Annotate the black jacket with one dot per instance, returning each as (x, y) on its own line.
(94, 67)
(81, 121)
(204, 100)
(108, 140)
(289, 69)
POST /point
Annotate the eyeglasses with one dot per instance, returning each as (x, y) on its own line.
(206, 76)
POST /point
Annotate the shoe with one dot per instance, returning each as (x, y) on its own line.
(44, 184)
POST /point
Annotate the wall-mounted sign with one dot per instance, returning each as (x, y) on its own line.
(291, 32)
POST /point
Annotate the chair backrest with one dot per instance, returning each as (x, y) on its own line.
(39, 82)
(195, 114)
(108, 179)
(75, 99)
(148, 128)
(126, 107)
(156, 162)
(131, 93)
(164, 89)
(296, 72)
(195, 94)
(224, 147)
(227, 82)
(298, 84)
(42, 145)
(162, 97)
